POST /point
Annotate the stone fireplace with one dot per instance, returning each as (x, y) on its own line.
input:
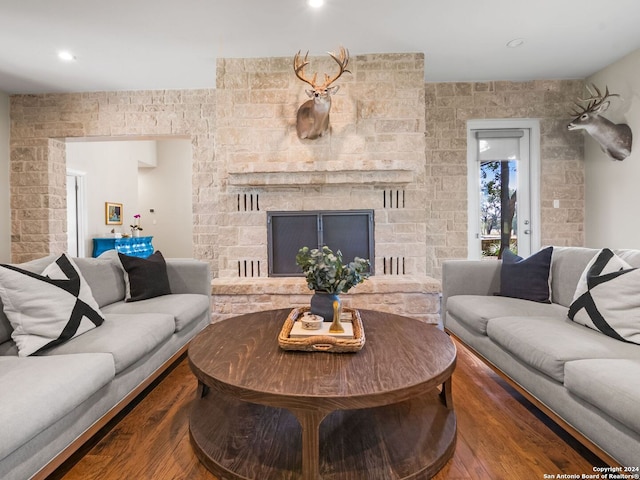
(374, 159)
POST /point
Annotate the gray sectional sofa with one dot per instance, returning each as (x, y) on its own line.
(51, 403)
(586, 381)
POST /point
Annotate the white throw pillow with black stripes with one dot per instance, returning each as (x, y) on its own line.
(607, 297)
(49, 309)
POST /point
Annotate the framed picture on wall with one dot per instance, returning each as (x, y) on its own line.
(113, 213)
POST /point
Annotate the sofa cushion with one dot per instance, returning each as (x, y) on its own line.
(613, 386)
(632, 257)
(476, 310)
(127, 337)
(184, 307)
(603, 262)
(526, 278)
(38, 391)
(5, 326)
(566, 268)
(38, 265)
(546, 344)
(35, 266)
(568, 264)
(48, 309)
(145, 277)
(104, 276)
(607, 298)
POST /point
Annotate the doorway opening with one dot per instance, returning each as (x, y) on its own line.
(150, 177)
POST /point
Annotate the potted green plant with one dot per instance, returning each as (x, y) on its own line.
(328, 276)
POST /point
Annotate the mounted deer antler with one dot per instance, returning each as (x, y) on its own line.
(312, 119)
(614, 139)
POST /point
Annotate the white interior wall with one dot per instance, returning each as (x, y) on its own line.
(612, 188)
(111, 169)
(167, 190)
(5, 209)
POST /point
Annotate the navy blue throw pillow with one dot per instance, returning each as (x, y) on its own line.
(526, 278)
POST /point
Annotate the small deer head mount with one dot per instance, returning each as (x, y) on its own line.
(614, 139)
(312, 119)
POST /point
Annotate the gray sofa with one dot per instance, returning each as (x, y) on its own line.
(50, 404)
(586, 381)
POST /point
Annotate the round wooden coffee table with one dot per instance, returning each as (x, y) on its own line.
(265, 413)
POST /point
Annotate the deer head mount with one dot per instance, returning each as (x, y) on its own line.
(312, 119)
(614, 139)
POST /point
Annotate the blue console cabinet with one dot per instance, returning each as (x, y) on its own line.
(132, 246)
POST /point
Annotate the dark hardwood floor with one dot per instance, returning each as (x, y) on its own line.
(500, 435)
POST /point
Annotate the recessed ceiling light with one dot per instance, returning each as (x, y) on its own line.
(515, 43)
(316, 3)
(66, 56)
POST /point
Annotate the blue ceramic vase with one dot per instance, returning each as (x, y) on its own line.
(322, 304)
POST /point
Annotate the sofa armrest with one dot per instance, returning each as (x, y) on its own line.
(469, 277)
(189, 276)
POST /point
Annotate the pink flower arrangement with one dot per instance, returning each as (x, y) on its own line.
(136, 222)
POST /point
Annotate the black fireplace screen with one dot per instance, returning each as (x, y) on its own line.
(350, 231)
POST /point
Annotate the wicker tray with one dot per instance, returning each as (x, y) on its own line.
(322, 343)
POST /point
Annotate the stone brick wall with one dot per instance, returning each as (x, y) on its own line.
(38, 199)
(39, 125)
(377, 152)
(449, 106)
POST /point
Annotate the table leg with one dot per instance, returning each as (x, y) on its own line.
(202, 390)
(310, 422)
(446, 395)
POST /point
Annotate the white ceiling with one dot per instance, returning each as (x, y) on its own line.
(171, 44)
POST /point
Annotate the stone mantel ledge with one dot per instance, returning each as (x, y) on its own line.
(377, 284)
(356, 171)
(236, 165)
(315, 177)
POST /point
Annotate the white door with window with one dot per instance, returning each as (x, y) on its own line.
(503, 187)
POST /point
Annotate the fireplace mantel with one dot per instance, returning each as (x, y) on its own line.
(358, 172)
(335, 177)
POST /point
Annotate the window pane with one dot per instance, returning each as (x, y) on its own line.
(498, 207)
